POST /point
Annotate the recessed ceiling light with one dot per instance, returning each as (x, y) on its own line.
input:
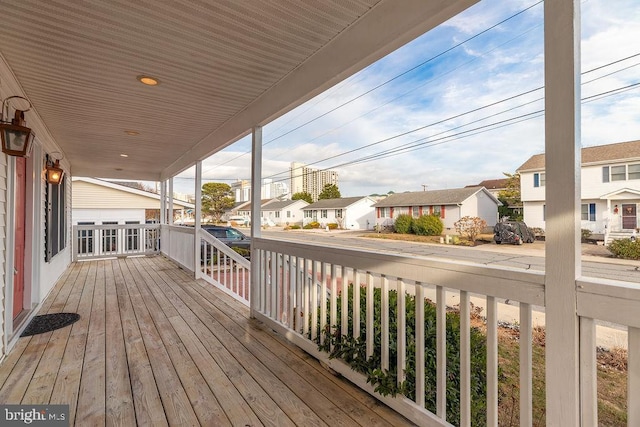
(132, 132)
(124, 155)
(148, 80)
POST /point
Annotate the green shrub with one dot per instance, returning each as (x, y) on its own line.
(294, 227)
(428, 225)
(585, 234)
(403, 224)
(352, 350)
(332, 226)
(311, 225)
(625, 248)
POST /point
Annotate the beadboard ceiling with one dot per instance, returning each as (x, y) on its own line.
(223, 67)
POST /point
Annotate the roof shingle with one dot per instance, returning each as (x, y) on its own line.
(426, 198)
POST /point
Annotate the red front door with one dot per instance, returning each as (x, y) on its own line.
(629, 219)
(18, 277)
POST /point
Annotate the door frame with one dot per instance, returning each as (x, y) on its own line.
(33, 208)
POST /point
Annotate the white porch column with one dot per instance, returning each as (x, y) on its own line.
(197, 220)
(256, 197)
(163, 202)
(170, 202)
(562, 262)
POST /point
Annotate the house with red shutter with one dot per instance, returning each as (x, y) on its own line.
(450, 205)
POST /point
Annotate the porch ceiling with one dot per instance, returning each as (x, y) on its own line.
(223, 68)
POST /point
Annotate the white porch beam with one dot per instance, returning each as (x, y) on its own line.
(256, 198)
(170, 202)
(197, 218)
(562, 262)
(163, 202)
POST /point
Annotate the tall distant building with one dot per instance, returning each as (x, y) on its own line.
(305, 179)
(241, 190)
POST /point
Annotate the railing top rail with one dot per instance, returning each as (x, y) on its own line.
(224, 248)
(180, 229)
(117, 226)
(504, 282)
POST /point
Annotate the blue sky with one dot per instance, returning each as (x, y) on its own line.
(501, 63)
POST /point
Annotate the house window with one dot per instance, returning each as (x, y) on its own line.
(634, 171)
(109, 237)
(308, 214)
(338, 213)
(415, 211)
(288, 214)
(55, 219)
(384, 212)
(323, 213)
(277, 214)
(436, 210)
(605, 174)
(539, 179)
(618, 173)
(588, 212)
(132, 237)
(85, 239)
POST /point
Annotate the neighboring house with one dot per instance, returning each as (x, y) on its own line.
(493, 186)
(95, 201)
(244, 209)
(450, 205)
(285, 212)
(350, 213)
(610, 181)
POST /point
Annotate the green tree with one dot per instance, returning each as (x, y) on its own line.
(330, 191)
(303, 195)
(510, 197)
(216, 198)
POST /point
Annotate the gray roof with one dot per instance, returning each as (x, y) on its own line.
(452, 196)
(279, 205)
(334, 203)
(602, 153)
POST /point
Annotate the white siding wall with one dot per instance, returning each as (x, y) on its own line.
(528, 192)
(482, 206)
(533, 214)
(99, 216)
(359, 216)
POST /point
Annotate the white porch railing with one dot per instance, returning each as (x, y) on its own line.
(223, 267)
(178, 244)
(117, 240)
(299, 293)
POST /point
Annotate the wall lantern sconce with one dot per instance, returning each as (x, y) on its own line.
(54, 172)
(16, 137)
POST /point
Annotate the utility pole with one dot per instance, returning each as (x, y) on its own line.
(424, 187)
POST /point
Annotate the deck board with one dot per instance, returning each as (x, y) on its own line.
(154, 347)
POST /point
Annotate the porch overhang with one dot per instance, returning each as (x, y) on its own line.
(223, 68)
(622, 194)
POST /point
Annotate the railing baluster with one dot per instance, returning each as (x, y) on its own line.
(370, 330)
(420, 386)
(492, 362)
(262, 286)
(344, 306)
(307, 282)
(314, 299)
(356, 303)
(441, 353)
(465, 361)
(300, 285)
(588, 373)
(323, 298)
(292, 290)
(526, 371)
(633, 381)
(334, 299)
(401, 323)
(275, 284)
(385, 324)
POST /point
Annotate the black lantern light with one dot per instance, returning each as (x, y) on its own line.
(16, 137)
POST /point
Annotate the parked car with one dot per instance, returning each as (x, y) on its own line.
(512, 232)
(230, 236)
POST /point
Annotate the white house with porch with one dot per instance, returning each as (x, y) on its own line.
(610, 189)
(283, 212)
(350, 213)
(145, 91)
(450, 205)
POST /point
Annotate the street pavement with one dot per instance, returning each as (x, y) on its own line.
(596, 260)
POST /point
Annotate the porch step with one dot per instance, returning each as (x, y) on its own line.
(616, 235)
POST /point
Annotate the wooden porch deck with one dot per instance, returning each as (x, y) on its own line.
(154, 347)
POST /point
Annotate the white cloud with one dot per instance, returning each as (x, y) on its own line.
(501, 63)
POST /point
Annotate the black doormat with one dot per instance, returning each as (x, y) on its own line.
(49, 322)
